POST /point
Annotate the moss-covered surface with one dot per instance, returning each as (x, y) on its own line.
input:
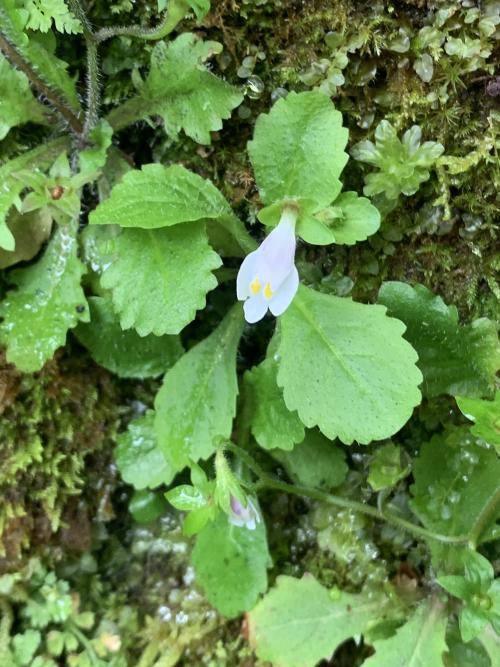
(57, 428)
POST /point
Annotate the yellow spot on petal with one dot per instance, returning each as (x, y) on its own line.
(255, 286)
(268, 292)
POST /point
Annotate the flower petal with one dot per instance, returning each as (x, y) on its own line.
(276, 255)
(255, 308)
(246, 274)
(284, 296)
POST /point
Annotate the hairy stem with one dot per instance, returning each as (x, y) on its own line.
(93, 85)
(176, 12)
(18, 61)
(267, 482)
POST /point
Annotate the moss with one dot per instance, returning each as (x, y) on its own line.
(52, 425)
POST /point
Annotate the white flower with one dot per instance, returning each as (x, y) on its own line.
(268, 277)
(244, 517)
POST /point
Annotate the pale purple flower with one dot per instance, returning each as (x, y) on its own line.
(244, 517)
(268, 278)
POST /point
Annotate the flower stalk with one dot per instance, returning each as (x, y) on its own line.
(266, 481)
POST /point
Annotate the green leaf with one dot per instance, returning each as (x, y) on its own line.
(200, 8)
(478, 570)
(18, 104)
(186, 498)
(481, 595)
(472, 622)
(298, 623)
(420, 642)
(454, 359)
(25, 646)
(146, 506)
(48, 301)
(55, 642)
(139, 460)
(298, 150)
(50, 70)
(124, 352)
(196, 404)
(93, 158)
(456, 484)
(171, 286)
(197, 519)
(456, 585)
(315, 462)
(271, 423)
(346, 368)
(491, 642)
(182, 90)
(471, 654)
(486, 418)
(30, 231)
(231, 565)
(43, 12)
(173, 195)
(350, 219)
(388, 465)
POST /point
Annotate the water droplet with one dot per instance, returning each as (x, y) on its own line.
(278, 93)
(254, 87)
(445, 512)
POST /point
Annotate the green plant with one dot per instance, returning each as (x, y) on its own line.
(146, 283)
(403, 165)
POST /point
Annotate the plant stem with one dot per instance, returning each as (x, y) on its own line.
(176, 12)
(84, 641)
(6, 620)
(485, 516)
(268, 482)
(247, 459)
(93, 85)
(18, 61)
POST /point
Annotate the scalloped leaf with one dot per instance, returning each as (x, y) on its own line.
(454, 359)
(420, 642)
(47, 302)
(486, 418)
(350, 219)
(298, 150)
(124, 352)
(196, 404)
(298, 623)
(138, 457)
(182, 90)
(271, 423)
(314, 462)
(346, 368)
(172, 195)
(43, 12)
(164, 295)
